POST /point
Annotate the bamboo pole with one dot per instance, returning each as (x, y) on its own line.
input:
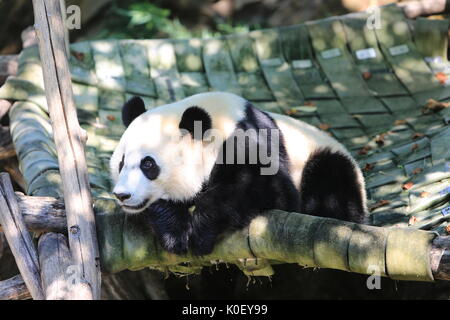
(50, 212)
(70, 140)
(19, 239)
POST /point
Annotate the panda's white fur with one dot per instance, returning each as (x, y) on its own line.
(156, 133)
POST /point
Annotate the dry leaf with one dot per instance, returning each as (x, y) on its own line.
(308, 103)
(408, 185)
(424, 194)
(415, 146)
(110, 117)
(417, 171)
(434, 106)
(78, 55)
(412, 220)
(379, 140)
(324, 126)
(364, 150)
(367, 75)
(379, 204)
(368, 167)
(447, 228)
(442, 77)
(399, 122)
(417, 135)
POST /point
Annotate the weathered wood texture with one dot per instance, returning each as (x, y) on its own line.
(60, 277)
(14, 289)
(19, 239)
(69, 139)
(42, 214)
(440, 258)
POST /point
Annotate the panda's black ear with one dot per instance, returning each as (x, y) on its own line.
(195, 117)
(132, 109)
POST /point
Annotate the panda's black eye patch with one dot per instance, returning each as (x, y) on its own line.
(149, 168)
(121, 163)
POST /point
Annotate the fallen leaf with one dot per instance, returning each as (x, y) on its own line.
(309, 103)
(417, 135)
(324, 126)
(379, 204)
(412, 220)
(415, 146)
(78, 55)
(447, 228)
(434, 106)
(408, 185)
(424, 194)
(417, 171)
(364, 150)
(110, 117)
(442, 77)
(399, 122)
(368, 167)
(379, 140)
(367, 75)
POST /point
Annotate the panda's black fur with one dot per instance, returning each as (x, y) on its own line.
(235, 193)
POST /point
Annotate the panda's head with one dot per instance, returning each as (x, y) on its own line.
(159, 156)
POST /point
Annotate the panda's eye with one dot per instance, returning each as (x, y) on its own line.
(147, 164)
(149, 168)
(121, 163)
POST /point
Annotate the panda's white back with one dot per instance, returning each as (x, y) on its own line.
(301, 140)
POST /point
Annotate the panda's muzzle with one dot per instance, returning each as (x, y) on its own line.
(140, 206)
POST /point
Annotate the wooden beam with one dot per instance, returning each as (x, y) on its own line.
(59, 274)
(19, 239)
(70, 141)
(14, 289)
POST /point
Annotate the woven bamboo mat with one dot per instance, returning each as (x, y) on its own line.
(368, 87)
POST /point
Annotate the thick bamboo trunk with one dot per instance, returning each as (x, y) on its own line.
(47, 214)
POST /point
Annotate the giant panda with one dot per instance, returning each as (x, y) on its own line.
(197, 168)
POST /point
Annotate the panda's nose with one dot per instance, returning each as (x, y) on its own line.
(122, 196)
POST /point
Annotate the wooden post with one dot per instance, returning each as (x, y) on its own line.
(70, 140)
(14, 289)
(19, 238)
(58, 273)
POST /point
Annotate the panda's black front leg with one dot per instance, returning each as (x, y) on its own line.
(170, 222)
(210, 218)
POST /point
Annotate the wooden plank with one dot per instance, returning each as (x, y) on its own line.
(57, 269)
(14, 289)
(70, 140)
(42, 214)
(19, 239)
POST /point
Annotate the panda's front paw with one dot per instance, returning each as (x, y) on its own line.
(175, 244)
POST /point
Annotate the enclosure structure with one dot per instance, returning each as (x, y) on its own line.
(379, 88)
